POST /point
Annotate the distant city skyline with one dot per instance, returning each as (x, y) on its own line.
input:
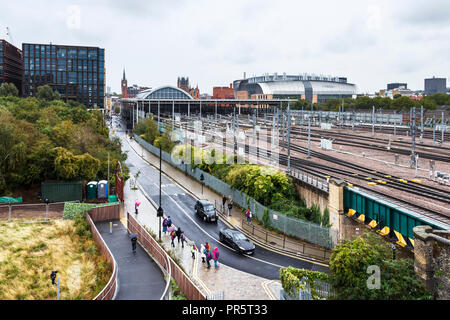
(371, 43)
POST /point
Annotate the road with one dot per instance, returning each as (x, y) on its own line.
(177, 203)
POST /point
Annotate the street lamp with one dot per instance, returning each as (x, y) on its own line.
(160, 211)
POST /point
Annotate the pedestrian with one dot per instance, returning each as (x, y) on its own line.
(215, 257)
(172, 237)
(202, 252)
(133, 244)
(182, 238)
(165, 225)
(224, 201)
(136, 205)
(248, 214)
(208, 255)
(193, 249)
(230, 206)
(169, 221)
(207, 246)
(178, 234)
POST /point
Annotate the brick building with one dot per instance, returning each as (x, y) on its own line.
(223, 92)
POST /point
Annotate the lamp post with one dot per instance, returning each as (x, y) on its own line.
(160, 211)
(202, 178)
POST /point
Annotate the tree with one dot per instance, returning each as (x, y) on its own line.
(403, 103)
(66, 164)
(8, 89)
(46, 93)
(349, 275)
(88, 166)
(326, 218)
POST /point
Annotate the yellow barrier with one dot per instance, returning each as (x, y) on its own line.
(401, 241)
(361, 218)
(385, 231)
(373, 224)
(351, 212)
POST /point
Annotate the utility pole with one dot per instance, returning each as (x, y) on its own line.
(421, 124)
(282, 133)
(443, 125)
(434, 129)
(373, 120)
(289, 137)
(413, 138)
(395, 123)
(309, 138)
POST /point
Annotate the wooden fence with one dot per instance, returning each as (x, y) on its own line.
(189, 289)
(102, 214)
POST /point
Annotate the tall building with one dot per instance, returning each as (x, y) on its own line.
(435, 85)
(183, 83)
(124, 86)
(76, 72)
(313, 88)
(11, 65)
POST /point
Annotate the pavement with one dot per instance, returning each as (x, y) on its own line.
(139, 277)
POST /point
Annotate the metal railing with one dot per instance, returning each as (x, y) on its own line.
(312, 180)
(282, 242)
(35, 211)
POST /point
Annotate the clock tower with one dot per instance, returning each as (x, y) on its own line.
(124, 86)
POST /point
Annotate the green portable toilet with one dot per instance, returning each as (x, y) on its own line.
(91, 190)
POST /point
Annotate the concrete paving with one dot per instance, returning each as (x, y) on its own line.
(139, 277)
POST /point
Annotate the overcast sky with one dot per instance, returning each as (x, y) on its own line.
(214, 42)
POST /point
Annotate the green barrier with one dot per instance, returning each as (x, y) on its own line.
(10, 200)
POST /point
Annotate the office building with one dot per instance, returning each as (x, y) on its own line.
(435, 85)
(392, 86)
(11, 65)
(76, 72)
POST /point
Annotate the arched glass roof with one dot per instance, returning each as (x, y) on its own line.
(164, 92)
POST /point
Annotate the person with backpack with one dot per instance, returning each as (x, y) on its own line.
(230, 206)
(208, 255)
(172, 237)
(248, 214)
(169, 221)
(164, 225)
(182, 238)
(193, 249)
(224, 201)
(178, 234)
(215, 256)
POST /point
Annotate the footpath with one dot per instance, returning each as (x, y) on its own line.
(216, 283)
(139, 277)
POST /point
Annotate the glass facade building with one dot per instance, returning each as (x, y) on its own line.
(11, 65)
(76, 72)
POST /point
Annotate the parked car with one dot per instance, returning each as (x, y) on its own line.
(205, 210)
(237, 240)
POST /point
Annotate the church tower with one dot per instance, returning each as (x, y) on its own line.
(124, 86)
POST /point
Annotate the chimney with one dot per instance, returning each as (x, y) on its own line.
(231, 86)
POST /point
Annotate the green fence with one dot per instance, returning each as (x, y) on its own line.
(62, 191)
(302, 229)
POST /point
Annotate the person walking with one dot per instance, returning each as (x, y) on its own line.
(207, 253)
(215, 256)
(169, 222)
(202, 252)
(182, 238)
(248, 214)
(224, 201)
(230, 206)
(172, 237)
(178, 234)
(164, 225)
(193, 249)
(133, 244)
(136, 205)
